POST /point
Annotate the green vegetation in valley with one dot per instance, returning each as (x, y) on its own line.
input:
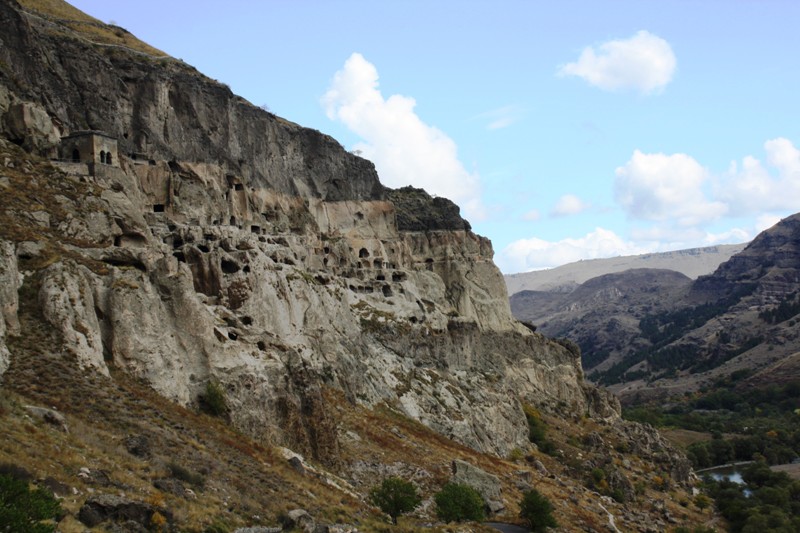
(746, 424)
(767, 501)
(757, 423)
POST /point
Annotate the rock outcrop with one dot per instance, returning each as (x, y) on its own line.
(222, 244)
(9, 300)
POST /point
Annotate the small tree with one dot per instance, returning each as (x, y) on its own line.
(702, 502)
(213, 401)
(395, 496)
(537, 510)
(457, 502)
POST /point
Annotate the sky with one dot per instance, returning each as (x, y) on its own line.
(565, 130)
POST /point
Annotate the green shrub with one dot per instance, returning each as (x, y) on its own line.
(537, 431)
(395, 496)
(702, 501)
(457, 502)
(23, 509)
(537, 510)
(213, 401)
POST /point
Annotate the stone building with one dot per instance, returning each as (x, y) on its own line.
(90, 147)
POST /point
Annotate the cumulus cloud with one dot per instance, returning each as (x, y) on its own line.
(750, 188)
(644, 62)
(569, 204)
(405, 150)
(661, 187)
(534, 253)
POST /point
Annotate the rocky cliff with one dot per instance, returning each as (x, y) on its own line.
(222, 244)
(161, 238)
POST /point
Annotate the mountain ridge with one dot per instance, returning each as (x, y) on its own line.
(692, 262)
(687, 333)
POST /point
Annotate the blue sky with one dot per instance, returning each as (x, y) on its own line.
(565, 130)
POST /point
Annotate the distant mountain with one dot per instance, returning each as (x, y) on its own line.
(602, 315)
(693, 263)
(651, 333)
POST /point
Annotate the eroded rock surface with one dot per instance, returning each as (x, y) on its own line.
(226, 245)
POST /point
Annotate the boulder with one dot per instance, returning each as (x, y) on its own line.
(108, 507)
(300, 519)
(138, 445)
(488, 485)
(50, 416)
(173, 486)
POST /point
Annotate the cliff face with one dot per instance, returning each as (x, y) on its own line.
(224, 244)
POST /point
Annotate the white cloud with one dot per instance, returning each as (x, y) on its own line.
(405, 150)
(569, 204)
(667, 237)
(750, 188)
(731, 236)
(501, 117)
(665, 187)
(643, 62)
(532, 254)
(532, 215)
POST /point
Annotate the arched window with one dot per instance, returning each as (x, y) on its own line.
(103, 157)
(76, 156)
(108, 158)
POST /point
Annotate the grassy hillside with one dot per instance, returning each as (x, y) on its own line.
(73, 22)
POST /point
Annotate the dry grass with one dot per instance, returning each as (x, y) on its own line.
(74, 20)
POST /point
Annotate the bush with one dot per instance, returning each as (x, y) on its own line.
(184, 474)
(457, 502)
(395, 496)
(702, 502)
(537, 431)
(537, 510)
(22, 509)
(213, 401)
